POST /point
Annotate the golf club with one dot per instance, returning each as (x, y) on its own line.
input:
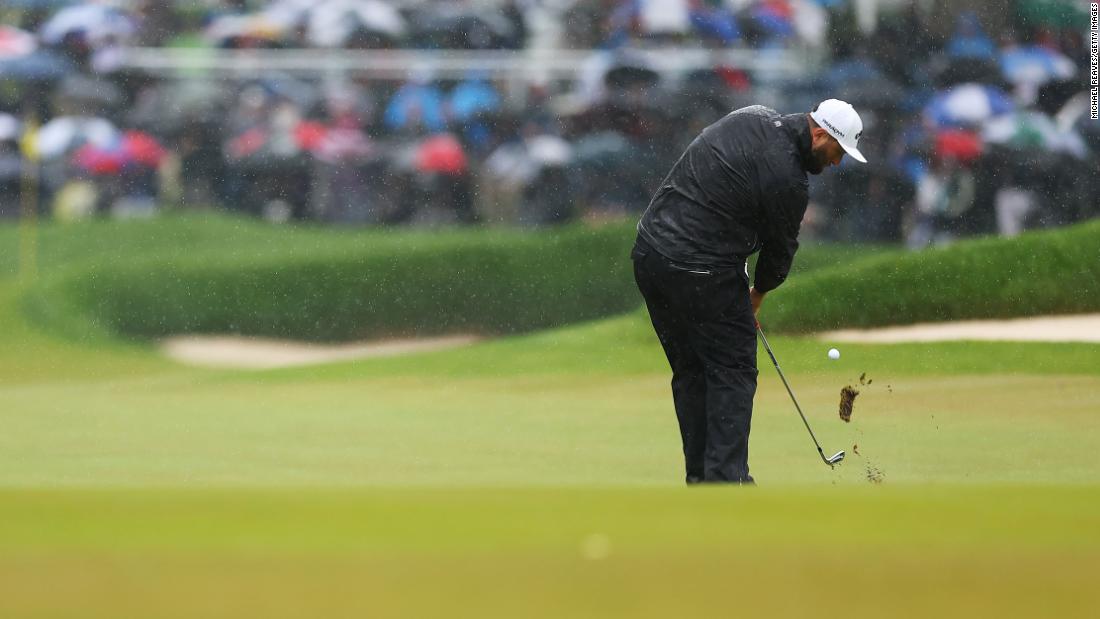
(838, 456)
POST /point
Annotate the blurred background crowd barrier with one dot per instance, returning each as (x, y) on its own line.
(538, 112)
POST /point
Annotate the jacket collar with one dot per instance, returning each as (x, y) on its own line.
(797, 128)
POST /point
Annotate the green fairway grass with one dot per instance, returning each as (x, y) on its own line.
(868, 552)
(535, 475)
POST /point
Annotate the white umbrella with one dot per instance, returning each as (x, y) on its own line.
(9, 127)
(97, 21)
(664, 16)
(65, 133)
(1033, 129)
(332, 21)
(15, 42)
(967, 104)
(549, 150)
(1036, 65)
(811, 21)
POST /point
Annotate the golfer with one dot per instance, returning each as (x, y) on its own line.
(739, 188)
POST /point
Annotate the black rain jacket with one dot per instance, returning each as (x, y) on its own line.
(740, 187)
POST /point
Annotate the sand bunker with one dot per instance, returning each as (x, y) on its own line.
(1076, 328)
(258, 353)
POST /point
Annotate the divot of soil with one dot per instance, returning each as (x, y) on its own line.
(847, 399)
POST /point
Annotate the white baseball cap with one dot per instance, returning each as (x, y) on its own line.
(842, 122)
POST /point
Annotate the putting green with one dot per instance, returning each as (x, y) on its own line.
(540, 476)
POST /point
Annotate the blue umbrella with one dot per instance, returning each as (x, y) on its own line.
(771, 22)
(716, 23)
(41, 65)
(966, 105)
(473, 97)
(1035, 65)
(413, 102)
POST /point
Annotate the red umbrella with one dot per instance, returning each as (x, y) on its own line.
(309, 135)
(734, 78)
(964, 146)
(134, 148)
(442, 154)
(142, 149)
(247, 143)
(101, 161)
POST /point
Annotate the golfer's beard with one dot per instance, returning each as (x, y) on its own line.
(817, 166)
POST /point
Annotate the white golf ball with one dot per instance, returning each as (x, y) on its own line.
(834, 353)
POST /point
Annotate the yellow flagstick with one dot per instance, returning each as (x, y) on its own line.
(28, 223)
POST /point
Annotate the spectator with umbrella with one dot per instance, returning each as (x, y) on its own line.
(360, 24)
(268, 155)
(125, 172)
(715, 23)
(473, 106)
(441, 184)
(349, 168)
(943, 197)
(61, 135)
(92, 34)
(1030, 130)
(417, 106)
(1029, 67)
(966, 105)
(530, 179)
(54, 143)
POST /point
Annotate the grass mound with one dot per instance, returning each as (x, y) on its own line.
(342, 285)
(1048, 272)
(215, 274)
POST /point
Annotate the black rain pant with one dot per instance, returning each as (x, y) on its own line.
(704, 320)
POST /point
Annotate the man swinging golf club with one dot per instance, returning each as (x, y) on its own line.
(740, 187)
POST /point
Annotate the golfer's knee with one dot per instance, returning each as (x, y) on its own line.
(732, 372)
(688, 376)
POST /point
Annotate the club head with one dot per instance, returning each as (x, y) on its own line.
(837, 457)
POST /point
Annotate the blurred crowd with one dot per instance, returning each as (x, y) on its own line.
(974, 122)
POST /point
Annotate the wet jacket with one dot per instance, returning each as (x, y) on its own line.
(739, 187)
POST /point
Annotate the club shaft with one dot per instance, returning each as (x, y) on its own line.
(788, 386)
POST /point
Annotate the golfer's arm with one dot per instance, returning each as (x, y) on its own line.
(782, 219)
(756, 298)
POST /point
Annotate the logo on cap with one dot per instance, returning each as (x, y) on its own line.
(835, 130)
